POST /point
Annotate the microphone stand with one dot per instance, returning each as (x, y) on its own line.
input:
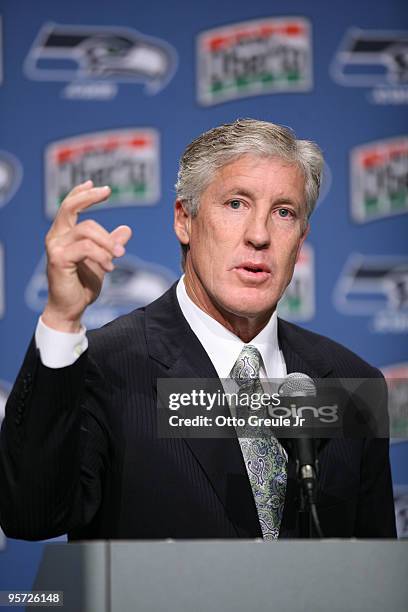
(307, 471)
(305, 514)
(298, 389)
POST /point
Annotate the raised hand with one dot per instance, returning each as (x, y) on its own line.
(78, 256)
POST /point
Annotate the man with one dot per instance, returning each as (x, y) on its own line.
(79, 448)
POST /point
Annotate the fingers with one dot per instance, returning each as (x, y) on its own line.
(80, 198)
(69, 243)
(89, 230)
(113, 242)
(87, 240)
(120, 236)
(81, 187)
(68, 256)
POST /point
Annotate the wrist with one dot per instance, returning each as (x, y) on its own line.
(59, 322)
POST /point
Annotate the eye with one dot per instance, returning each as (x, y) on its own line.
(234, 204)
(284, 213)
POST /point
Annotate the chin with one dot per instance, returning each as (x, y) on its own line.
(249, 306)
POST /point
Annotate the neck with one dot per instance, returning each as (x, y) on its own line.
(244, 327)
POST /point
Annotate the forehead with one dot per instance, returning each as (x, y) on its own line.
(260, 175)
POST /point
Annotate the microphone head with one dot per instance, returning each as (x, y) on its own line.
(297, 384)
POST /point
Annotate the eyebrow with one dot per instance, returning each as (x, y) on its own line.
(238, 191)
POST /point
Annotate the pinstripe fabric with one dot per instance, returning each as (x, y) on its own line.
(79, 451)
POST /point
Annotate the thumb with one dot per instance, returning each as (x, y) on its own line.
(121, 234)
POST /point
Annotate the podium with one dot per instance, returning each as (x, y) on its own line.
(228, 576)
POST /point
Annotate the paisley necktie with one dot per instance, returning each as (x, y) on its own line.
(264, 457)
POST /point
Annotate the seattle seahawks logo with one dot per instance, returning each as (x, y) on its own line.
(10, 176)
(370, 58)
(65, 53)
(369, 284)
(133, 283)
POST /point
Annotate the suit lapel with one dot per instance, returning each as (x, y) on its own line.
(299, 353)
(172, 343)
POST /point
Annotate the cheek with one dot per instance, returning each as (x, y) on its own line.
(204, 247)
(287, 261)
(199, 235)
(214, 237)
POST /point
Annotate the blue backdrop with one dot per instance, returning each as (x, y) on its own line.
(115, 91)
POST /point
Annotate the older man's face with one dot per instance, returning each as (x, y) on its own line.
(245, 239)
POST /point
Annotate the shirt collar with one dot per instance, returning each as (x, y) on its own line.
(223, 347)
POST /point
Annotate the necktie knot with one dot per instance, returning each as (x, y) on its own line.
(246, 367)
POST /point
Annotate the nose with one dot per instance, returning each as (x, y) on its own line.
(257, 234)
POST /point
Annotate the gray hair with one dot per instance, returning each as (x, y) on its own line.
(225, 143)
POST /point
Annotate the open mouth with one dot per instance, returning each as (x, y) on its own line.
(253, 270)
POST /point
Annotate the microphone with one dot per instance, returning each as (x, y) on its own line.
(298, 386)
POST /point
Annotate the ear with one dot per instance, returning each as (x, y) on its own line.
(182, 223)
(301, 241)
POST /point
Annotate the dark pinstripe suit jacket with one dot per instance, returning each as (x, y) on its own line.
(79, 451)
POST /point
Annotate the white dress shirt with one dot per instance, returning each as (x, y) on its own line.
(223, 347)
(61, 349)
